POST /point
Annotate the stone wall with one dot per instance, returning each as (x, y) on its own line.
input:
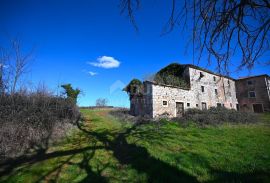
(194, 97)
(260, 85)
(143, 105)
(225, 87)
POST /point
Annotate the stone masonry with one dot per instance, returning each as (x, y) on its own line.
(206, 89)
(253, 93)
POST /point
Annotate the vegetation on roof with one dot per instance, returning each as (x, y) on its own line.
(171, 75)
(134, 88)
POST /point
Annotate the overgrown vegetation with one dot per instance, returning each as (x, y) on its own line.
(171, 75)
(30, 121)
(217, 116)
(70, 92)
(105, 149)
(134, 88)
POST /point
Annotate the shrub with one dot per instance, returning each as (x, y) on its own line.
(216, 116)
(71, 93)
(123, 115)
(28, 122)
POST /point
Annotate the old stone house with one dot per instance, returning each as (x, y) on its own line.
(253, 93)
(204, 89)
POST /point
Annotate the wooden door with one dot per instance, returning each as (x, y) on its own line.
(179, 109)
(258, 108)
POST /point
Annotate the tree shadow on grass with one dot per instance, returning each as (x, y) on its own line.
(135, 156)
(13, 166)
(158, 171)
(139, 159)
(9, 165)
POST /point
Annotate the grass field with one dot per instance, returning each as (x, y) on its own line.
(104, 149)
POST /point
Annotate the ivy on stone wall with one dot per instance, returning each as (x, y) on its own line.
(134, 88)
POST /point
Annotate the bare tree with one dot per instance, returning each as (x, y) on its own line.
(221, 28)
(20, 63)
(13, 65)
(101, 102)
(3, 60)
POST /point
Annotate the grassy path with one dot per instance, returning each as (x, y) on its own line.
(104, 149)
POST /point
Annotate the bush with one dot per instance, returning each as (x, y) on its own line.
(123, 115)
(217, 116)
(28, 122)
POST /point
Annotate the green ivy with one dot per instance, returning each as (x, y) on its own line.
(70, 92)
(134, 88)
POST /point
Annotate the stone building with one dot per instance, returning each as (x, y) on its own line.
(204, 89)
(253, 93)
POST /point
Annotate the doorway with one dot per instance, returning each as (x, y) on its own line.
(179, 109)
(258, 108)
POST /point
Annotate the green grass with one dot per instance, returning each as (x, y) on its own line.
(107, 150)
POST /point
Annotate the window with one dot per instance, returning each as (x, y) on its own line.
(228, 82)
(251, 94)
(201, 75)
(218, 104)
(223, 105)
(202, 87)
(188, 104)
(165, 103)
(216, 92)
(204, 107)
(249, 82)
(231, 105)
(197, 105)
(214, 78)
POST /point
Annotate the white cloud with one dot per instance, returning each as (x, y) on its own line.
(106, 62)
(92, 73)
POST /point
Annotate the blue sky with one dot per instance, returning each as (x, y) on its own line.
(68, 35)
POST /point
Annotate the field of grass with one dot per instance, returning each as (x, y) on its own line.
(104, 149)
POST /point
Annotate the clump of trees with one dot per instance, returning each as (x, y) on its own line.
(102, 102)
